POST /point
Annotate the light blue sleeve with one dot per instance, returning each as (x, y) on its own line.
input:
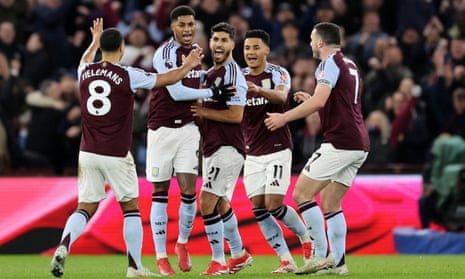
(80, 68)
(282, 77)
(235, 76)
(328, 72)
(139, 78)
(177, 90)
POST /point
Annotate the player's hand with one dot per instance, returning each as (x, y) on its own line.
(194, 58)
(301, 96)
(198, 110)
(274, 121)
(96, 30)
(252, 87)
(223, 93)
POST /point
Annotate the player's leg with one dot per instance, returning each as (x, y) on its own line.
(214, 231)
(331, 202)
(161, 149)
(278, 178)
(186, 164)
(90, 191)
(255, 177)
(273, 234)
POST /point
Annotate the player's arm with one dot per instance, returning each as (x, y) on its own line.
(231, 115)
(278, 95)
(89, 54)
(176, 90)
(192, 60)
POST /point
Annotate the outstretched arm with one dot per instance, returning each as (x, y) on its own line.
(192, 60)
(96, 30)
(278, 95)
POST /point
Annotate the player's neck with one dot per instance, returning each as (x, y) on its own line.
(112, 58)
(258, 70)
(226, 61)
(328, 52)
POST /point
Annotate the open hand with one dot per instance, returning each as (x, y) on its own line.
(274, 121)
(194, 58)
(301, 96)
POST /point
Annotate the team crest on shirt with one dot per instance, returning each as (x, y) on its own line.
(218, 81)
(168, 64)
(266, 83)
(321, 75)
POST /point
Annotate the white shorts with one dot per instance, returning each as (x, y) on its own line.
(221, 170)
(94, 170)
(172, 149)
(336, 165)
(268, 174)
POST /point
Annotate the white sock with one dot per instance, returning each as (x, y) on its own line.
(132, 232)
(158, 221)
(272, 233)
(292, 221)
(231, 234)
(215, 235)
(187, 211)
(337, 231)
(314, 220)
(75, 225)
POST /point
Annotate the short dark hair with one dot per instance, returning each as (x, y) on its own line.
(329, 32)
(182, 10)
(260, 34)
(110, 40)
(224, 27)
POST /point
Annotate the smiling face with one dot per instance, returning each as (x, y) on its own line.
(184, 30)
(255, 52)
(221, 46)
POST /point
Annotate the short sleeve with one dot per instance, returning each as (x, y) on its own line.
(235, 77)
(139, 78)
(327, 72)
(281, 76)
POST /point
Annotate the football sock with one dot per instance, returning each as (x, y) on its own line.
(231, 234)
(132, 233)
(187, 211)
(214, 231)
(291, 220)
(314, 220)
(74, 227)
(337, 231)
(272, 233)
(158, 221)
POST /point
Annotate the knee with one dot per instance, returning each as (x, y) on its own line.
(272, 205)
(161, 186)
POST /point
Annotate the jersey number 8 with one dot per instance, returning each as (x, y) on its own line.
(99, 98)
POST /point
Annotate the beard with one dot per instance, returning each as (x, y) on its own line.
(225, 56)
(316, 53)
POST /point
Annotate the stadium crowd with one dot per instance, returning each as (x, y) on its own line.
(412, 54)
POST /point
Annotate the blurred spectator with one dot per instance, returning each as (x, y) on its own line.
(411, 136)
(138, 51)
(70, 126)
(37, 60)
(456, 124)
(44, 147)
(413, 52)
(414, 14)
(106, 9)
(242, 26)
(12, 104)
(14, 11)
(8, 43)
(287, 53)
(263, 18)
(49, 21)
(210, 12)
(379, 83)
(361, 44)
(379, 131)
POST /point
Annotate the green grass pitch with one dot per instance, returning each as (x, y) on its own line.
(82, 267)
